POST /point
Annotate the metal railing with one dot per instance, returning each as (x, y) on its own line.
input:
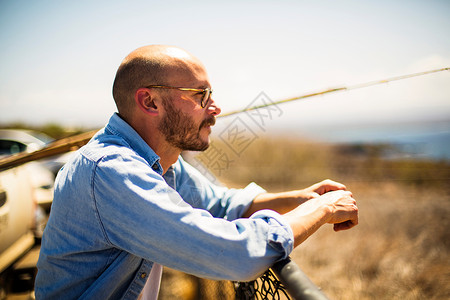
(284, 280)
(298, 285)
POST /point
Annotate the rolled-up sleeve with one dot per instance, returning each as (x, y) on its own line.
(141, 214)
(280, 235)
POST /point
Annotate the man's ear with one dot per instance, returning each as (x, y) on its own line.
(145, 100)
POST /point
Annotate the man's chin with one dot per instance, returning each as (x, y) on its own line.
(205, 145)
(198, 148)
(201, 145)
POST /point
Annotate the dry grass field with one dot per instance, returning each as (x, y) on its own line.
(399, 250)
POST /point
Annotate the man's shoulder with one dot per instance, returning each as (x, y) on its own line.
(108, 151)
(105, 145)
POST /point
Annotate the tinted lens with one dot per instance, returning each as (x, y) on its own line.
(206, 95)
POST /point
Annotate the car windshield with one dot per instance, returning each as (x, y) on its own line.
(8, 147)
(17, 140)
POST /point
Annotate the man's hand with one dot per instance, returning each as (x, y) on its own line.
(287, 201)
(344, 212)
(321, 188)
(316, 190)
(308, 209)
(334, 207)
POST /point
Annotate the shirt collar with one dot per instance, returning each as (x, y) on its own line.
(119, 127)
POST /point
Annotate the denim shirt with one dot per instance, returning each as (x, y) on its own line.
(114, 215)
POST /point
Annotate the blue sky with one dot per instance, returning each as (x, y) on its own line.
(59, 58)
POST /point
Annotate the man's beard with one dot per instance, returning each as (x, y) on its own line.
(181, 131)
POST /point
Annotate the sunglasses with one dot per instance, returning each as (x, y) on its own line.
(205, 97)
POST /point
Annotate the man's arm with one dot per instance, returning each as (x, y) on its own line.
(287, 201)
(308, 209)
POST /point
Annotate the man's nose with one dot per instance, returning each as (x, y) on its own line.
(213, 108)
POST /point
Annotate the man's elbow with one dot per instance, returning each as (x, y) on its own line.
(248, 270)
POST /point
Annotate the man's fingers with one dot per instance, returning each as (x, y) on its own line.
(328, 185)
(345, 225)
(340, 193)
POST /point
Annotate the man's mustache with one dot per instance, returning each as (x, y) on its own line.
(208, 122)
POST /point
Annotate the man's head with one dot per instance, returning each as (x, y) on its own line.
(146, 91)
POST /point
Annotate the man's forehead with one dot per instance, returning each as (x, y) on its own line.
(188, 70)
(190, 76)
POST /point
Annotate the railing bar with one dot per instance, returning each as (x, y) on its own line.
(295, 281)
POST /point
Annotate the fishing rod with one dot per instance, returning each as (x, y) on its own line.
(77, 141)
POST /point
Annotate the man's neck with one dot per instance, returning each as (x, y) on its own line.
(167, 157)
(167, 153)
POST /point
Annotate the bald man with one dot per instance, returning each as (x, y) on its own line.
(127, 203)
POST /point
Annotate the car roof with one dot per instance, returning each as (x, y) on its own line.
(25, 136)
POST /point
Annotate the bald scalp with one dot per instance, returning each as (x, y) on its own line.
(149, 65)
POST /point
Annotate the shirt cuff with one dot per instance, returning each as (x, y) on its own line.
(280, 235)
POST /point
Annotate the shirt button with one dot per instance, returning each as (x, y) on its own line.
(143, 275)
(155, 167)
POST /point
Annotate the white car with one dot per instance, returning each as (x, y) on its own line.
(17, 221)
(26, 194)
